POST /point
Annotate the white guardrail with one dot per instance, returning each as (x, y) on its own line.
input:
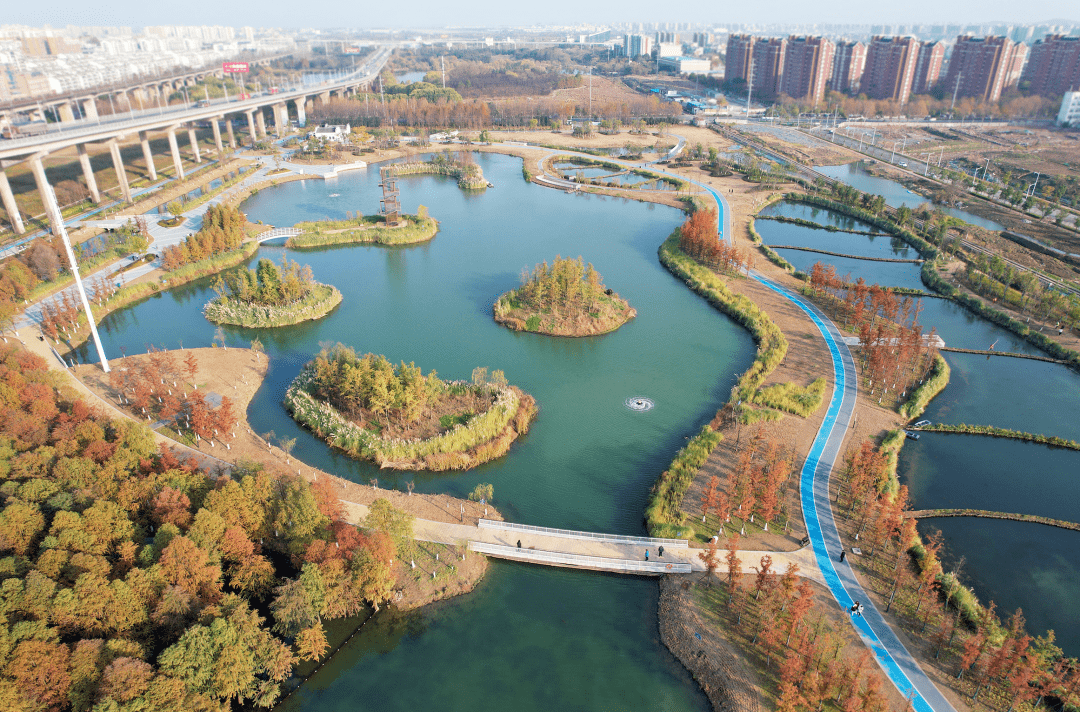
(598, 563)
(585, 536)
(277, 232)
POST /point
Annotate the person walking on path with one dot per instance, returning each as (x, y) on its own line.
(646, 554)
(843, 555)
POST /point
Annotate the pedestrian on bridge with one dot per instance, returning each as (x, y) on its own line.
(646, 554)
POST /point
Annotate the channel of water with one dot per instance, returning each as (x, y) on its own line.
(1015, 564)
(534, 638)
(895, 194)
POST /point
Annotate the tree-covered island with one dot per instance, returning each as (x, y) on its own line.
(567, 298)
(271, 296)
(402, 419)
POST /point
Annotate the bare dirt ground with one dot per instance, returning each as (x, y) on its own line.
(238, 373)
(604, 91)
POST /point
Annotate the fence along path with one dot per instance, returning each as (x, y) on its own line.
(585, 550)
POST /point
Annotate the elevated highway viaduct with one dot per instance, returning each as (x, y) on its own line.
(110, 130)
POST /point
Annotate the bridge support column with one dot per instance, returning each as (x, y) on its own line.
(175, 150)
(301, 115)
(194, 141)
(232, 136)
(89, 108)
(260, 121)
(217, 136)
(151, 169)
(10, 205)
(281, 118)
(88, 173)
(43, 188)
(65, 113)
(250, 113)
(118, 166)
(324, 97)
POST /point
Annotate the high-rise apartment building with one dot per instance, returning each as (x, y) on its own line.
(928, 67)
(1053, 66)
(849, 61)
(1016, 66)
(740, 52)
(808, 63)
(890, 68)
(978, 67)
(769, 65)
(637, 45)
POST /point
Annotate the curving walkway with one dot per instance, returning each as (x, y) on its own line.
(888, 650)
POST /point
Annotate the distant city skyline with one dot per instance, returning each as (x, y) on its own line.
(432, 15)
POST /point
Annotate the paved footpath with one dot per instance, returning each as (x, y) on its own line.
(888, 650)
(569, 543)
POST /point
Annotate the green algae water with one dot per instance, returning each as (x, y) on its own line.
(529, 637)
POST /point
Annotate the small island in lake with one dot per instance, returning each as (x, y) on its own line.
(362, 229)
(566, 299)
(267, 296)
(401, 419)
(461, 166)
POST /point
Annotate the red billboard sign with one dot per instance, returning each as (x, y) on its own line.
(234, 67)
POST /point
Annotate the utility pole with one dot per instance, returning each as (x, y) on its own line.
(749, 86)
(52, 207)
(442, 63)
(956, 90)
(590, 93)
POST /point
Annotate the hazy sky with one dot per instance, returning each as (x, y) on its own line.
(428, 13)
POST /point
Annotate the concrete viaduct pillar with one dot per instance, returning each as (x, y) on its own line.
(281, 118)
(151, 169)
(89, 108)
(194, 141)
(88, 173)
(65, 112)
(217, 136)
(43, 188)
(175, 149)
(232, 136)
(260, 121)
(301, 115)
(118, 166)
(251, 125)
(10, 205)
(323, 97)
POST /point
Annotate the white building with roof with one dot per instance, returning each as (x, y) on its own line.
(331, 132)
(1070, 109)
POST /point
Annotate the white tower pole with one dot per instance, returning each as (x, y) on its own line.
(52, 207)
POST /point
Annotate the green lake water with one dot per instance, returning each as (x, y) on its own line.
(529, 637)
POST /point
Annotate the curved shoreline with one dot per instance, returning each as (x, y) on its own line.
(420, 229)
(216, 311)
(509, 417)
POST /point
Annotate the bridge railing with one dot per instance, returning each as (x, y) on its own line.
(584, 536)
(598, 563)
(277, 232)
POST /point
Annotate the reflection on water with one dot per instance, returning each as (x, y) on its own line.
(895, 194)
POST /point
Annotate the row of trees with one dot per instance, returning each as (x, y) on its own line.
(895, 352)
(158, 386)
(369, 386)
(998, 661)
(62, 314)
(420, 112)
(267, 284)
(757, 486)
(132, 580)
(698, 238)
(772, 615)
(222, 230)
